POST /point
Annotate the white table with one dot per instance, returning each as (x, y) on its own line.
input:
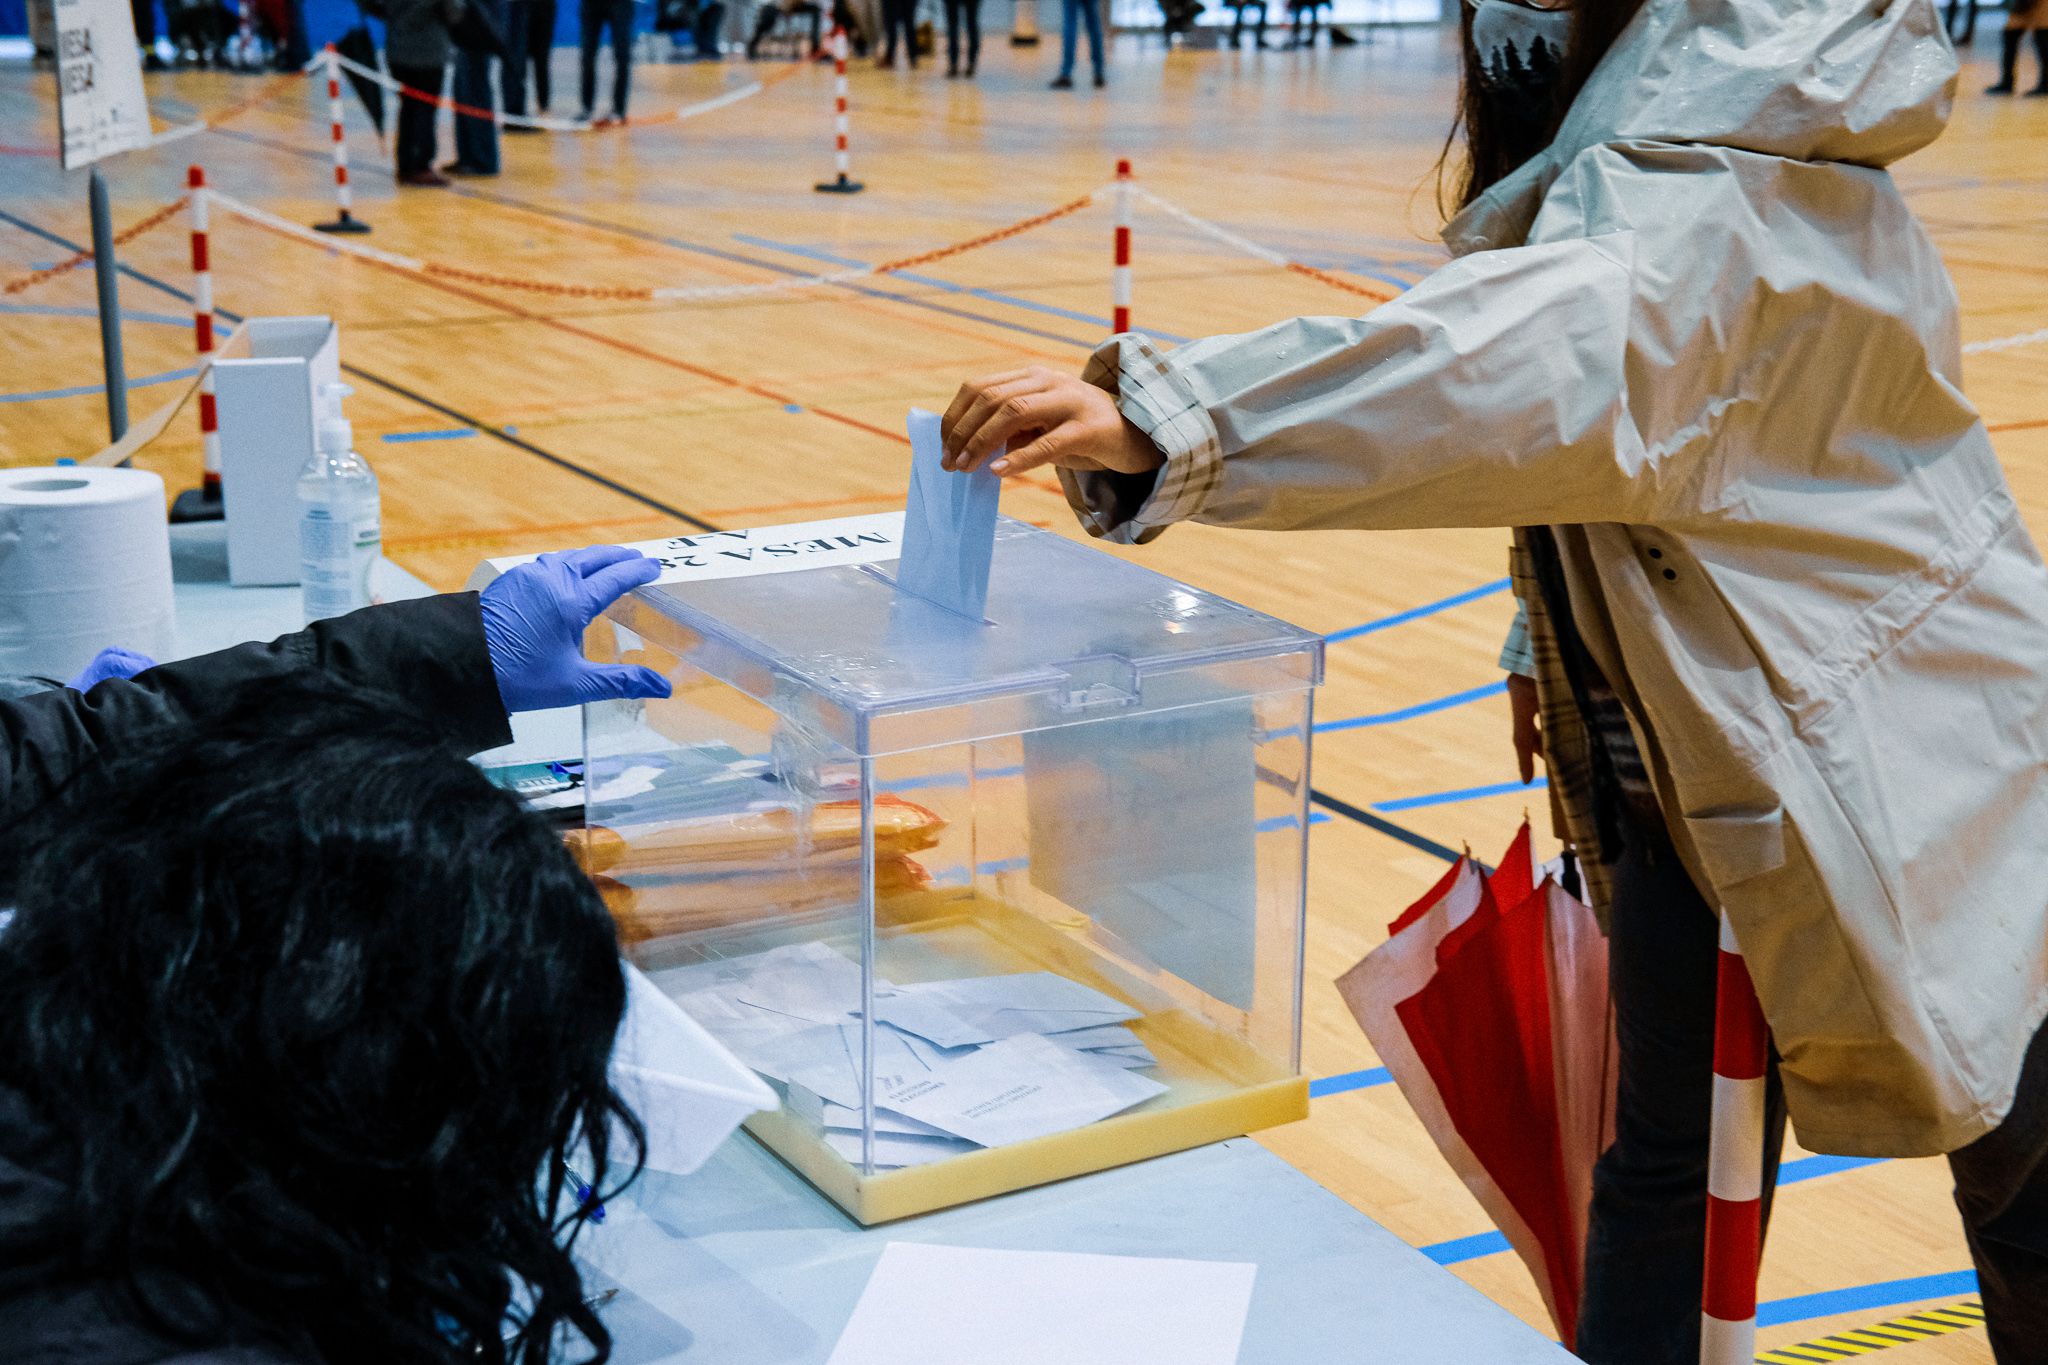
(744, 1263)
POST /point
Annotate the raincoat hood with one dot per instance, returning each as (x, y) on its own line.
(1860, 81)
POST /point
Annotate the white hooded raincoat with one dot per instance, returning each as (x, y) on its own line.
(1704, 334)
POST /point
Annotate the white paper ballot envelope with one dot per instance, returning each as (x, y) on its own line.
(949, 526)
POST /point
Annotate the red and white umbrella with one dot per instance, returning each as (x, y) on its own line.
(1488, 1004)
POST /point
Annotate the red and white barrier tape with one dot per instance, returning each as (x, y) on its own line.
(554, 125)
(1218, 232)
(79, 258)
(202, 328)
(1734, 1164)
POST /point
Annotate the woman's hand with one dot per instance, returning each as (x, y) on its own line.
(1043, 417)
(1528, 735)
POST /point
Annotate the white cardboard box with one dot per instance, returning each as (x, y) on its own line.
(267, 385)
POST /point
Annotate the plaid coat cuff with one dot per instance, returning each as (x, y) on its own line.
(1160, 403)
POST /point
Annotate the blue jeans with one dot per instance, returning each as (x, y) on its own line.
(476, 139)
(1091, 12)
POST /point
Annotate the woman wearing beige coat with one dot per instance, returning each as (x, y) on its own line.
(1697, 346)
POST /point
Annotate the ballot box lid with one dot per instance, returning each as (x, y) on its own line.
(1071, 634)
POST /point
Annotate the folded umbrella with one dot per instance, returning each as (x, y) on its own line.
(1488, 1005)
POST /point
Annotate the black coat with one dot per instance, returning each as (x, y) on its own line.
(428, 654)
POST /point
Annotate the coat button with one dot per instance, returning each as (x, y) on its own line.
(1671, 574)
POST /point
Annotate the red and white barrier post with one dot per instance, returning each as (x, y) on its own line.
(842, 161)
(202, 503)
(344, 219)
(1735, 1165)
(1120, 272)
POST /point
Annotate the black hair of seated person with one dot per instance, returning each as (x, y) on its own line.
(318, 1013)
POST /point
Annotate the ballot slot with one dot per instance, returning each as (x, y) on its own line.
(985, 904)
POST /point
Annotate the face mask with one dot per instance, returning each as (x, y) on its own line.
(1519, 48)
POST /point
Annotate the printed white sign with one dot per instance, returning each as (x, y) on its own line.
(766, 549)
(100, 104)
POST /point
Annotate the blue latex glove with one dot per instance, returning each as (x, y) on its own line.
(112, 662)
(533, 624)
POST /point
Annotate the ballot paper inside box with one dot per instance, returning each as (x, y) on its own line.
(988, 901)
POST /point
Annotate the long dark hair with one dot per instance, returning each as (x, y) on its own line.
(1501, 130)
(316, 1014)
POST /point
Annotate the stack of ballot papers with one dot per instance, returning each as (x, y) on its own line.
(958, 1065)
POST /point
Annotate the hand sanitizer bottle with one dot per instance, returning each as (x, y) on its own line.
(340, 526)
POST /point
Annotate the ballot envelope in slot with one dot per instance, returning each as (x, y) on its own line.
(989, 902)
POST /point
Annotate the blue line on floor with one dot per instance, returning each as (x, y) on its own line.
(1416, 613)
(81, 390)
(1461, 794)
(445, 434)
(1857, 1298)
(1423, 708)
(1350, 1080)
(1466, 1248)
(991, 295)
(1812, 1167)
(64, 310)
(1492, 1243)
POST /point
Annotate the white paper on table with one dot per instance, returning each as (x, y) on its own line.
(1108, 1037)
(1018, 1089)
(833, 1068)
(807, 981)
(940, 1305)
(893, 1151)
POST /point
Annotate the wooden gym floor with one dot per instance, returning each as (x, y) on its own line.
(503, 421)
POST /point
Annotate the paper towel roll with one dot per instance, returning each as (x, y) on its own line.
(85, 562)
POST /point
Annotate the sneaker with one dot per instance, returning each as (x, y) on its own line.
(430, 179)
(1063, 83)
(585, 116)
(457, 168)
(517, 128)
(2002, 88)
(1100, 80)
(608, 121)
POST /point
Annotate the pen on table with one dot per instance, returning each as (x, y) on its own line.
(586, 1195)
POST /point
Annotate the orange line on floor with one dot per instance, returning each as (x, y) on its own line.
(2017, 426)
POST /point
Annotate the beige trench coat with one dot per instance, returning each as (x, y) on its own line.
(1704, 334)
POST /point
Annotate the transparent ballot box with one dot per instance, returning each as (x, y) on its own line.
(989, 902)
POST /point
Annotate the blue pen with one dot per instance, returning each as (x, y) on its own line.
(586, 1195)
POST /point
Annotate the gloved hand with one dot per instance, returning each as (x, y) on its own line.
(112, 662)
(533, 625)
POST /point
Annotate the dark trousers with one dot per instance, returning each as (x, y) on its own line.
(1237, 24)
(899, 15)
(476, 135)
(705, 32)
(771, 15)
(2002, 1193)
(143, 12)
(1646, 1243)
(959, 14)
(529, 45)
(597, 16)
(1073, 14)
(416, 118)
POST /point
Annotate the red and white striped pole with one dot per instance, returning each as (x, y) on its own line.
(204, 502)
(842, 160)
(1735, 1164)
(344, 220)
(1120, 273)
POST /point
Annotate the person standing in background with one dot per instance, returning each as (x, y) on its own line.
(416, 47)
(529, 42)
(476, 134)
(1072, 12)
(898, 15)
(2025, 15)
(144, 13)
(595, 16)
(959, 12)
